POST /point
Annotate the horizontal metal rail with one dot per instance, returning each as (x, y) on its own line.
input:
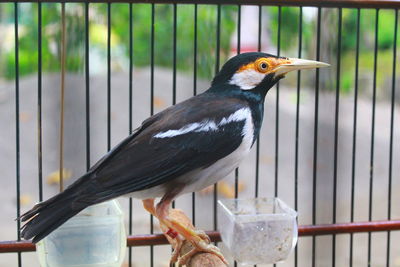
(312, 3)
(305, 230)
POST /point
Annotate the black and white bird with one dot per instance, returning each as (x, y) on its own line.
(182, 149)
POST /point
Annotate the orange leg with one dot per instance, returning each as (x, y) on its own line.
(198, 240)
(148, 205)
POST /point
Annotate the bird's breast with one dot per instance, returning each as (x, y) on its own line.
(201, 178)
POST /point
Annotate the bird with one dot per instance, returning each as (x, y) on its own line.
(182, 149)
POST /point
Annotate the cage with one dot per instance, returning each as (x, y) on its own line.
(329, 146)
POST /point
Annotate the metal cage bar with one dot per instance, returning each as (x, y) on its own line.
(130, 226)
(296, 153)
(153, 14)
(372, 155)
(194, 93)
(217, 66)
(315, 145)
(278, 52)
(39, 105)
(335, 158)
(354, 139)
(17, 127)
(392, 107)
(305, 230)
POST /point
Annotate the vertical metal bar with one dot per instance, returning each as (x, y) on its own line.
(39, 103)
(389, 212)
(194, 93)
(277, 109)
(174, 63)
(296, 157)
(63, 55)
(371, 169)
(258, 139)
(335, 156)
(152, 107)
(152, 60)
(130, 66)
(353, 160)
(217, 58)
(108, 76)
(218, 44)
(17, 128)
(87, 85)
(195, 51)
(315, 157)
(130, 115)
(239, 26)
(174, 55)
(238, 52)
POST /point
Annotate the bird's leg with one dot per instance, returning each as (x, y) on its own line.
(148, 205)
(197, 239)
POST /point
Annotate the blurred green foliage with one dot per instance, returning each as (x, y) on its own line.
(289, 40)
(141, 16)
(163, 37)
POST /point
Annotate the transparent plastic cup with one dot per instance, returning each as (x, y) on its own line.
(94, 237)
(257, 231)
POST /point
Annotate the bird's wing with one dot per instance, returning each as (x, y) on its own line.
(193, 134)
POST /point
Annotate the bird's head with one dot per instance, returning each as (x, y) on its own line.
(260, 71)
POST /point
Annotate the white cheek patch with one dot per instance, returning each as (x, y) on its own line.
(247, 79)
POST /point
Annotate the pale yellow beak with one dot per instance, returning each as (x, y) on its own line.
(291, 64)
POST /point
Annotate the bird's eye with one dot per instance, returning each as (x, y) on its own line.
(262, 66)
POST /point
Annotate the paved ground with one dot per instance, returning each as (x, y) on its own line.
(75, 157)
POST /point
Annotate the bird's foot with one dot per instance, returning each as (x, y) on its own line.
(177, 249)
(177, 228)
(177, 244)
(200, 243)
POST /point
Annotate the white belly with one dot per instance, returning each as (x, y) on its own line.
(200, 179)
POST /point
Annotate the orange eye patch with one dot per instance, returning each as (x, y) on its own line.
(263, 65)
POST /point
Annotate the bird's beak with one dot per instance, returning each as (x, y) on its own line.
(290, 64)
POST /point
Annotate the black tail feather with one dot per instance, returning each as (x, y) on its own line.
(46, 216)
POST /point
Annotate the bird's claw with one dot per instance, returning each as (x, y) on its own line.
(204, 245)
(203, 236)
(198, 241)
(176, 251)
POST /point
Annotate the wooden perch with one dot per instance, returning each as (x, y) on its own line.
(200, 259)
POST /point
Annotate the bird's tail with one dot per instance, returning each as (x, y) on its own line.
(46, 216)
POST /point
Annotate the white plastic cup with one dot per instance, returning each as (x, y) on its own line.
(94, 237)
(257, 231)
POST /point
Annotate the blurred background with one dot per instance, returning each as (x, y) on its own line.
(202, 46)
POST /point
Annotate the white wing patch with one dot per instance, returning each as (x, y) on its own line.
(207, 125)
(247, 79)
(185, 129)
